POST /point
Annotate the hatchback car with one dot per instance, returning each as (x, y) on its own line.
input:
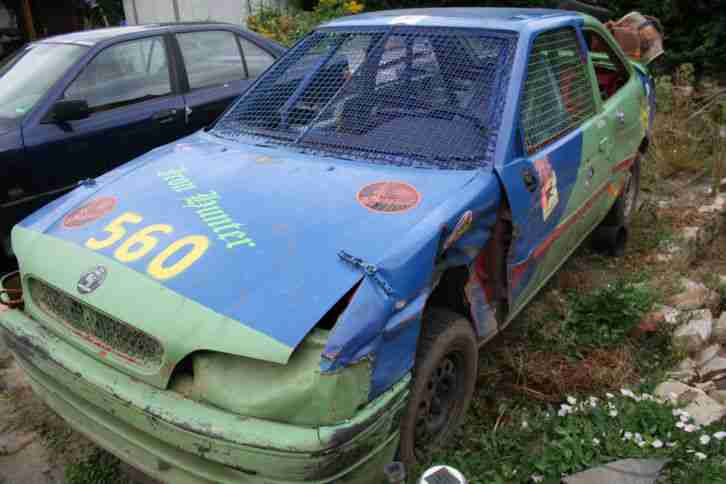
(299, 293)
(74, 106)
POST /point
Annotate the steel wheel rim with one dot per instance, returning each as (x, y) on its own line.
(438, 406)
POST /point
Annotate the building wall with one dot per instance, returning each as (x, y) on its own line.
(233, 11)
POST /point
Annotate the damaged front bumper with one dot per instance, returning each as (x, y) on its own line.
(179, 440)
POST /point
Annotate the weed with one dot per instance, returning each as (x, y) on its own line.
(98, 468)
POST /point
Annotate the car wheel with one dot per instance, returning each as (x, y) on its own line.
(621, 213)
(444, 378)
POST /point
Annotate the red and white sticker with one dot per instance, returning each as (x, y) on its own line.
(389, 197)
(89, 212)
(549, 196)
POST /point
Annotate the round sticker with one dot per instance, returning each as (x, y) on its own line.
(89, 212)
(389, 197)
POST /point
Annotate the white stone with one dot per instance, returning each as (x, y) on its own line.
(715, 368)
(707, 354)
(690, 233)
(717, 206)
(693, 296)
(719, 329)
(625, 471)
(671, 390)
(705, 410)
(718, 395)
(692, 335)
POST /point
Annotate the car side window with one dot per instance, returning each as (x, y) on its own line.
(557, 94)
(211, 57)
(609, 68)
(123, 74)
(257, 59)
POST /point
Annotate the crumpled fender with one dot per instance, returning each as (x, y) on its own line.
(385, 328)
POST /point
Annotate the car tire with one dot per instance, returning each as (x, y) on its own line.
(621, 213)
(444, 378)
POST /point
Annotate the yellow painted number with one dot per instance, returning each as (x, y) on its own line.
(116, 229)
(198, 246)
(142, 242)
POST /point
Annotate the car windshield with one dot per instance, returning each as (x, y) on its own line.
(410, 96)
(26, 77)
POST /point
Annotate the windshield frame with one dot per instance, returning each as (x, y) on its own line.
(78, 52)
(463, 36)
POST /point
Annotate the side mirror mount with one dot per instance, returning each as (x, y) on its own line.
(68, 110)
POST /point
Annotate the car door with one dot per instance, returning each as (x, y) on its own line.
(134, 107)
(550, 184)
(219, 66)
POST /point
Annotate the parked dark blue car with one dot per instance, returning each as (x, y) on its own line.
(74, 106)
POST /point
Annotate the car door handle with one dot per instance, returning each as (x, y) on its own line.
(164, 117)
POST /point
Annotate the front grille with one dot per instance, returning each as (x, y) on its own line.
(103, 331)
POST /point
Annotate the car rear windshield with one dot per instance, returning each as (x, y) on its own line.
(411, 96)
(26, 77)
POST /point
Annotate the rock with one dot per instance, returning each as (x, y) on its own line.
(718, 205)
(718, 395)
(694, 296)
(715, 368)
(671, 390)
(704, 409)
(625, 471)
(662, 314)
(706, 355)
(685, 371)
(719, 329)
(13, 442)
(692, 335)
(690, 233)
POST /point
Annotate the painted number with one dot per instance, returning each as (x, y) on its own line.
(184, 252)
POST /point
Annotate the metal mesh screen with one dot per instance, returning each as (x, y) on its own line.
(558, 94)
(112, 335)
(409, 96)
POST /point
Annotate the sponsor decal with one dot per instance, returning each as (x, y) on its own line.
(549, 196)
(462, 227)
(89, 212)
(91, 280)
(389, 197)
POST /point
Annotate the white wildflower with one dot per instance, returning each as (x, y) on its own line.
(536, 478)
(628, 436)
(642, 444)
(657, 444)
(613, 413)
(700, 455)
(671, 444)
(719, 435)
(705, 439)
(627, 393)
(610, 395)
(690, 428)
(564, 410)
(525, 424)
(571, 400)
(596, 441)
(680, 424)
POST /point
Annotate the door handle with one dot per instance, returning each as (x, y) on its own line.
(165, 116)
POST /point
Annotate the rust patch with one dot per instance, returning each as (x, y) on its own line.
(89, 212)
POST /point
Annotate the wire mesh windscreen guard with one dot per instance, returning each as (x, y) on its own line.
(558, 94)
(411, 96)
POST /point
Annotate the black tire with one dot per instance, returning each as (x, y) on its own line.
(444, 378)
(621, 213)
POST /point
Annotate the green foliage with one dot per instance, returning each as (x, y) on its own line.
(289, 26)
(98, 468)
(546, 444)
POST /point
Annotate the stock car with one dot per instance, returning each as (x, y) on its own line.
(299, 293)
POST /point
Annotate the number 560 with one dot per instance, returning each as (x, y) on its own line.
(140, 243)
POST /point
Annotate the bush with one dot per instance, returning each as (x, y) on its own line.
(289, 26)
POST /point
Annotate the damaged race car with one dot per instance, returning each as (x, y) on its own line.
(299, 293)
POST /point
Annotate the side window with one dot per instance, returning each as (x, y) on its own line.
(123, 74)
(557, 94)
(257, 59)
(211, 58)
(610, 70)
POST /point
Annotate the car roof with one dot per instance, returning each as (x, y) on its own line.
(95, 36)
(515, 19)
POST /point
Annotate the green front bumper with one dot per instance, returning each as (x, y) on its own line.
(178, 440)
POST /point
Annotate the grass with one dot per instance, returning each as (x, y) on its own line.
(99, 467)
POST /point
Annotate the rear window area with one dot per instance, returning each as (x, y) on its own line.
(410, 96)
